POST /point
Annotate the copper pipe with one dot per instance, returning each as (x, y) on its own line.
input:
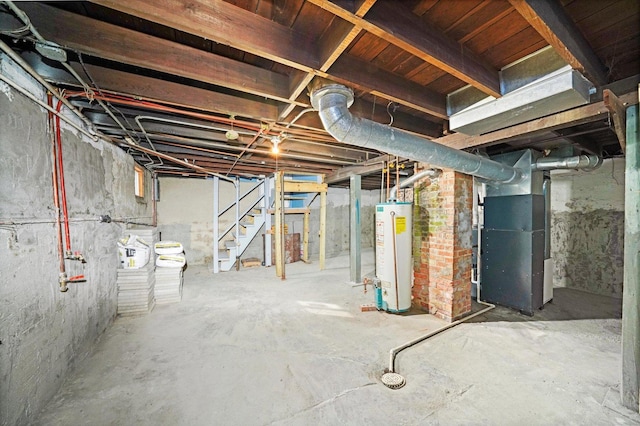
(388, 177)
(255, 138)
(63, 191)
(397, 182)
(62, 278)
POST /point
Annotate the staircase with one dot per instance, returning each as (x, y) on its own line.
(246, 215)
(250, 226)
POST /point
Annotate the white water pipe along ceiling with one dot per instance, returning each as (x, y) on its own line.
(181, 76)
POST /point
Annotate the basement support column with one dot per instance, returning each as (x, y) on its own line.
(216, 224)
(355, 229)
(630, 388)
(278, 230)
(323, 227)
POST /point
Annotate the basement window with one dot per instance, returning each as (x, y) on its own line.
(139, 181)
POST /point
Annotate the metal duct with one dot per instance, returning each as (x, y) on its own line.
(586, 162)
(410, 180)
(332, 103)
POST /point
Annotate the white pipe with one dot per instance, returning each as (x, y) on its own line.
(416, 177)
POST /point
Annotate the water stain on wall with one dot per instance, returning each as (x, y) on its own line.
(588, 250)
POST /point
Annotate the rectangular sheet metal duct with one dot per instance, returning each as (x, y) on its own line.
(558, 91)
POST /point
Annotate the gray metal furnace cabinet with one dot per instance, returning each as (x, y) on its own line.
(513, 252)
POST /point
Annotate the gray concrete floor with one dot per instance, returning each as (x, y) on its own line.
(245, 348)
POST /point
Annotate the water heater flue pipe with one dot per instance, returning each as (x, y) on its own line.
(332, 103)
(411, 180)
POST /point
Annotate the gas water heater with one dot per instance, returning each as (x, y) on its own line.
(394, 265)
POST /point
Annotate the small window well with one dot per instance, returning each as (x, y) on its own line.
(139, 181)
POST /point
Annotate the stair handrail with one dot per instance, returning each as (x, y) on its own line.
(236, 224)
(233, 203)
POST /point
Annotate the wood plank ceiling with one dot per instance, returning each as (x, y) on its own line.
(179, 74)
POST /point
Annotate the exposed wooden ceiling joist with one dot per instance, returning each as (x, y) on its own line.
(103, 40)
(379, 82)
(368, 167)
(549, 18)
(227, 24)
(167, 92)
(393, 22)
(331, 45)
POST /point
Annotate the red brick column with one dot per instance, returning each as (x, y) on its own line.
(442, 244)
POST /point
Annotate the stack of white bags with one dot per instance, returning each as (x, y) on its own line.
(170, 262)
(135, 277)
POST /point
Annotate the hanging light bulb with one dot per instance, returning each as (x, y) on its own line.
(275, 140)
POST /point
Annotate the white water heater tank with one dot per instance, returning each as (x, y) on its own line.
(394, 264)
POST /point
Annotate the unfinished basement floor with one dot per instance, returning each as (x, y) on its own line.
(245, 348)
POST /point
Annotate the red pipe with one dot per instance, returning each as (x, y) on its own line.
(63, 191)
(56, 200)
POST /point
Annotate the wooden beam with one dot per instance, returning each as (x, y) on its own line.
(156, 90)
(103, 40)
(301, 186)
(549, 18)
(292, 210)
(331, 45)
(227, 24)
(396, 24)
(573, 117)
(298, 82)
(582, 141)
(618, 112)
(368, 167)
(364, 75)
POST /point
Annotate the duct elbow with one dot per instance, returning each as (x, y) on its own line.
(594, 161)
(332, 103)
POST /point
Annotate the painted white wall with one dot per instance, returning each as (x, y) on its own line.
(185, 214)
(603, 188)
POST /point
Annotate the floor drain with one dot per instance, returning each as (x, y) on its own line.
(393, 380)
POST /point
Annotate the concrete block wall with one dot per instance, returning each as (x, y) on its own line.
(337, 238)
(442, 245)
(587, 228)
(185, 214)
(43, 332)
